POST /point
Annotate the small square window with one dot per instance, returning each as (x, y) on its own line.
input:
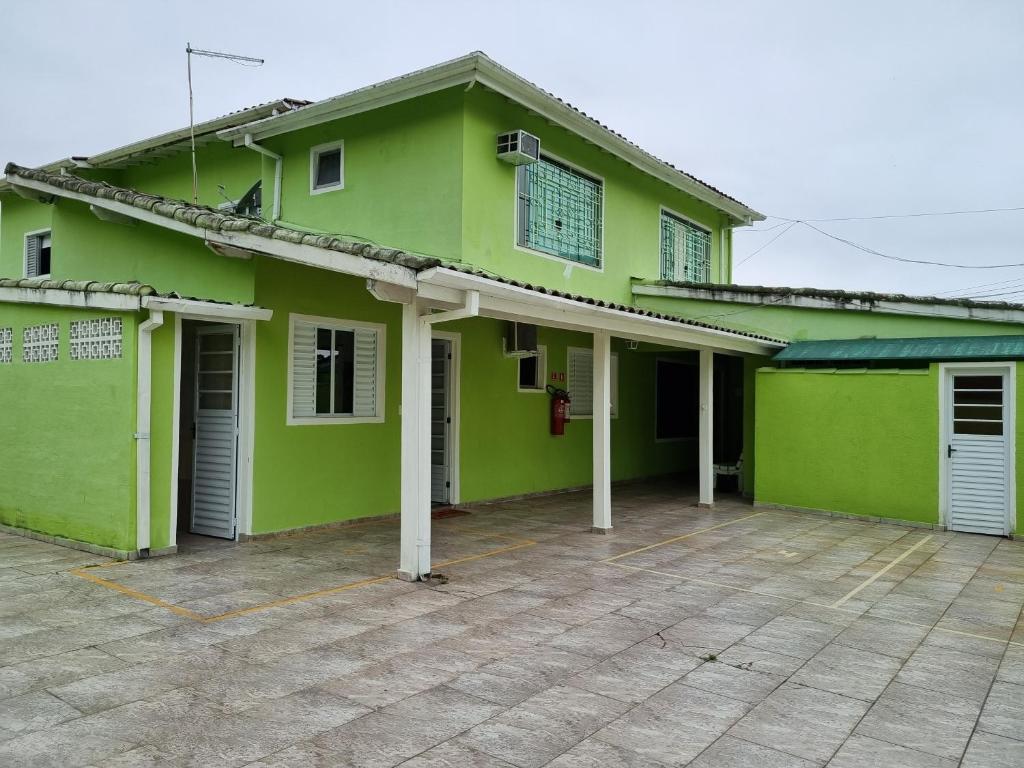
(532, 371)
(37, 254)
(327, 167)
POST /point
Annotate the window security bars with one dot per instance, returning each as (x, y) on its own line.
(685, 251)
(560, 212)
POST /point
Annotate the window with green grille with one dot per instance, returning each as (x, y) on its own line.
(685, 250)
(560, 212)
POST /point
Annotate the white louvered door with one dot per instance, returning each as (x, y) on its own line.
(216, 438)
(440, 421)
(977, 454)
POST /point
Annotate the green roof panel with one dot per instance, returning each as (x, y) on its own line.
(933, 348)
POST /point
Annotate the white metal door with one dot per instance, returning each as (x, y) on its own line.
(978, 469)
(440, 421)
(215, 445)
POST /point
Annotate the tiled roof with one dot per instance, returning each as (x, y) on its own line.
(82, 286)
(832, 294)
(207, 218)
(204, 217)
(473, 67)
(589, 300)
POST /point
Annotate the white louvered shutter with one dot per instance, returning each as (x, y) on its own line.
(364, 393)
(303, 370)
(581, 382)
(32, 256)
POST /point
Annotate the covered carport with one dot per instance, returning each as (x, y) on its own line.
(445, 294)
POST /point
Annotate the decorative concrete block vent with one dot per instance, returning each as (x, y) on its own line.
(6, 344)
(98, 339)
(39, 343)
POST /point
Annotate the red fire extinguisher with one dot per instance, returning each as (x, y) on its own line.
(559, 409)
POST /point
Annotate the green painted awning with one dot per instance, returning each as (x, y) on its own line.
(933, 348)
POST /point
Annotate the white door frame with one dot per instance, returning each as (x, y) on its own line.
(946, 372)
(246, 420)
(454, 409)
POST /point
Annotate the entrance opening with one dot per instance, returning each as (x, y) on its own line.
(208, 430)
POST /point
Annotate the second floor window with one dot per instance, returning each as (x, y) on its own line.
(37, 254)
(560, 212)
(685, 251)
(327, 167)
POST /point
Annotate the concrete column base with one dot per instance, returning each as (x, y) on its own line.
(705, 505)
(603, 531)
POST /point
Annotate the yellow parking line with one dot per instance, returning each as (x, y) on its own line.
(83, 573)
(832, 606)
(680, 538)
(872, 579)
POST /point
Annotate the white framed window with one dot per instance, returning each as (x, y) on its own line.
(335, 371)
(327, 167)
(580, 369)
(685, 250)
(38, 253)
(532, 371)
(560, 211)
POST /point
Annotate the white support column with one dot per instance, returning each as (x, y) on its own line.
(416, 362)
(602, 433)
(706, 428)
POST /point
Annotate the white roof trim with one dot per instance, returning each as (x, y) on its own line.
(82, 299)
(509, 302)
(478, 68)
(738, 296)
(207, 308)
(335, 261)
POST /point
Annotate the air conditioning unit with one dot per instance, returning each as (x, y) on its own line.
(521, 340)
(518, 148)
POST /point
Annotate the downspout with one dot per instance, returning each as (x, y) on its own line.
(276, 210)
(143, 419)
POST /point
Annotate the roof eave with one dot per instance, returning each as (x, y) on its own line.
(800, 299)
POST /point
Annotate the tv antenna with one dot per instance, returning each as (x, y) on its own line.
(247, 61)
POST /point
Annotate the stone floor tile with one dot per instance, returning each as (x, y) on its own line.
(521, 675)
(793, 636)
(760, 660)
(1011, 669)
(950, 671)
(593, 753)
(801, 721)
(733, 681)
(707, 633)
(730, 752)
(861, 752)
(604, 636)
(55, 670)
(879, 636)
(636, 673)
(920, 719)
(848, 671)
(988, 750)
(452, 754)
(1003, 713)
(31, 712)
(544, 726)
(675, 726)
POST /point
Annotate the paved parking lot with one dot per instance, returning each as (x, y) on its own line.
(731, 637)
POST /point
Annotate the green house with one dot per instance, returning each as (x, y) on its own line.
(360, 307)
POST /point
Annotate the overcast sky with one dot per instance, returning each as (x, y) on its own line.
(803, 110)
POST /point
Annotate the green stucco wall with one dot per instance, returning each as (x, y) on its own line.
(66, 436)
(18, 216)
(797, 324)
(632, 207)
(856, 442)
(402, 173)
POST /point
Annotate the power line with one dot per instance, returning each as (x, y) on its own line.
(752, 255)
(906, 215)
(872, 251)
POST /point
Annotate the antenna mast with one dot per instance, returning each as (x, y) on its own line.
(248, 61)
